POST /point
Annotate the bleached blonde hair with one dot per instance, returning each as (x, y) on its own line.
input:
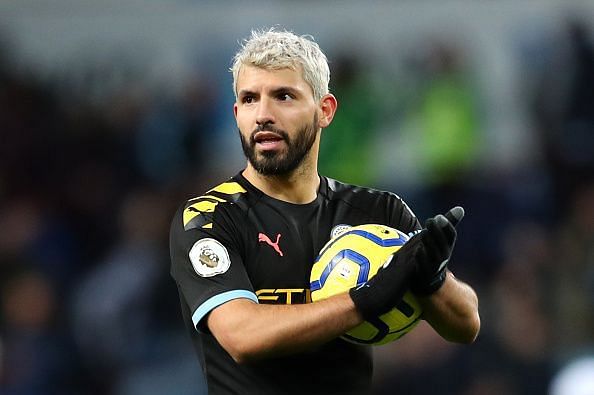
(277, 50)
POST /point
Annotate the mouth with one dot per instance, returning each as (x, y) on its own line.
(268, 140)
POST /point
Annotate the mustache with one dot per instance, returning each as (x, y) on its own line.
(268, 127)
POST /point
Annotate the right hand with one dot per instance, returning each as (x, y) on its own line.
(384, 290)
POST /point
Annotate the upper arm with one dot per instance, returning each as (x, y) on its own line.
(401, 215)
(207, 269)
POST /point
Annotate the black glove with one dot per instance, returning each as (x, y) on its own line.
(438, 239)
(384, 290)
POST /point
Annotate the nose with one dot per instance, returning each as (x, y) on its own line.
(265, 112)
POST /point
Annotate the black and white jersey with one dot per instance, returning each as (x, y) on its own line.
(236, 242)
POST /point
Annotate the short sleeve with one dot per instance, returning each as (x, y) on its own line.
(401, 216)
(207, 266)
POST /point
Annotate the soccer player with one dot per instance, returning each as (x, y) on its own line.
(242, 251)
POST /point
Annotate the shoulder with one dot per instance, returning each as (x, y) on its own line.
(200, 212)
(358, 195)
(382, 206)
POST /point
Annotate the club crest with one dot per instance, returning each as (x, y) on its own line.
(339, 229)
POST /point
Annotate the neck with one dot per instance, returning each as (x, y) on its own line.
(299, 187)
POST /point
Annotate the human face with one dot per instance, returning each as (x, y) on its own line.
(277, 119)
(272, 162)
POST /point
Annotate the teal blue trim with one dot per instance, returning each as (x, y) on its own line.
(218, 300)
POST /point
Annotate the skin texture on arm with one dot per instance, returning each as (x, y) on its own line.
(249, 331)
(453, 311)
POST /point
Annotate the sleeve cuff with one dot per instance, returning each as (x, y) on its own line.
(218, 300)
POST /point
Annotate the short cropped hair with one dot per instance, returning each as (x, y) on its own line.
(276, 50)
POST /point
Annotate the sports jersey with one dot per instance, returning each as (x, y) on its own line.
(237, 242)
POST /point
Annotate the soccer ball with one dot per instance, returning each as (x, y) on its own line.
(349, 260)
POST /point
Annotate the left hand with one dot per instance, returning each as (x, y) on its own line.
(437, 243)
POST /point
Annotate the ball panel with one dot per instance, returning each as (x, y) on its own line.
(397, 334)
(366, 333)
(344, 271)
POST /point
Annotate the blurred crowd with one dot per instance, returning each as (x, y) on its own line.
(89, 183)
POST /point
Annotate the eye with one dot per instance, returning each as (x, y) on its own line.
(285, 96)
(247, 99)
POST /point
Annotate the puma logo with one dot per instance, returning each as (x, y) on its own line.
(266, 239)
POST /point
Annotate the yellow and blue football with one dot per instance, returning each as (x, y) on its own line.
(351, 259)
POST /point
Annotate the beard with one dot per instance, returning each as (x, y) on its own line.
(280, 163)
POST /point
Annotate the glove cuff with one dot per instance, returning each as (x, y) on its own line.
(430, 287)
(364, 300)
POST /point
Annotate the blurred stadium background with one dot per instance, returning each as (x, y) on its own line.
(113, 112)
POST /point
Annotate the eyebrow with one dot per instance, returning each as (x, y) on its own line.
(283, 89)
(275, 91)
(245, 92)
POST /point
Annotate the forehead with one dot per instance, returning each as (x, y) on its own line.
(254, 78)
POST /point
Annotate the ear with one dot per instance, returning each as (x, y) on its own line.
(328, 106)
(235, 110)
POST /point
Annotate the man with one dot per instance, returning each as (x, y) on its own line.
(242, 252)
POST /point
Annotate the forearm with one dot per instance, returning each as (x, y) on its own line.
(453, 311)
(250, 331)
